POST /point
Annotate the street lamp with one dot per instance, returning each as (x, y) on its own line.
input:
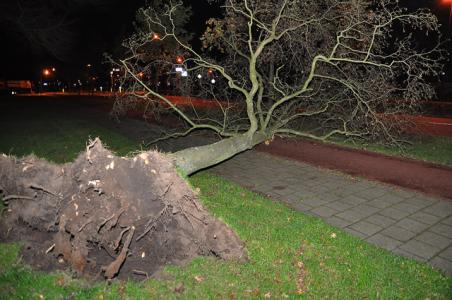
(179, 59)
(155, 36)
(46, 72)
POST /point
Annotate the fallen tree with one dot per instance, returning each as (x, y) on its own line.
(108, 215)
(313, 69)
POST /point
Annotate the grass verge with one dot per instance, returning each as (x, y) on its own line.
(426, 148)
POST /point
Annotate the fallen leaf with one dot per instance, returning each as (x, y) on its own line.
(333, 235)
(199, 279)
(268, 295)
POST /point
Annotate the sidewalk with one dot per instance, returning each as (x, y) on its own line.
(402, 221)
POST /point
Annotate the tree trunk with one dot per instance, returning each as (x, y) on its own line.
(193, 159)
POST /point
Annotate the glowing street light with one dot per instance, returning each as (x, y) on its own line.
(155, 36)
(46, 72)
(179, 59)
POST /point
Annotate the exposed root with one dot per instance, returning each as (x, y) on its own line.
(12, 197)
(104, 222)
(118, 240)
(151, 223)
(113, 268)
(41, 188)
(143, 273)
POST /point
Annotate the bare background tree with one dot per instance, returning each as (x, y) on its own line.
(307, 68)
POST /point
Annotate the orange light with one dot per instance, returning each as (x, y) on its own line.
(179, 59)
(46, 72)
(210, 71)
(447, 2)
(141, 74)
(155, 36)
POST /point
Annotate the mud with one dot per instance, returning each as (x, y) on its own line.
(104, 216)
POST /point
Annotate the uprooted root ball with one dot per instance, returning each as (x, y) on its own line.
(108, 215)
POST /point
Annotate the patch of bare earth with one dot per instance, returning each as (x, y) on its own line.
(109, 216)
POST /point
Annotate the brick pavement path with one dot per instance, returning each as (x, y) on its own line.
(405, 222)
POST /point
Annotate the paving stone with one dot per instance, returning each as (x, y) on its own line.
(403, 193)
(314, 201)
(420, 202)
(298, 206)
(447, 221)
(284, 192)
(366, 209)
(420, 249)
(366, 228)
(440, 209)
(398, 233)
(444, 265)
(442, 229)
(412, 225)
(380, 220)
(409, 208)
(394, 213)
(324, 211)
(392, 197)
(293, 198)
(385, 242)
(380, 203)
(344, 191)
(373, 193)
(351, 215)
(329, 196)
(354, 200)
(425, 218)
(355, 233)
(447, 254)
(338, 222)
(408, 255)
(339, 205)
(434, 239)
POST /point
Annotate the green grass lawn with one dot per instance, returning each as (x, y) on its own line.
(290, 253)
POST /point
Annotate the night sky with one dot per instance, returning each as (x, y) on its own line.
(93, 27)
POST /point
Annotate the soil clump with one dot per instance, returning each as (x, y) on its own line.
(108, 216)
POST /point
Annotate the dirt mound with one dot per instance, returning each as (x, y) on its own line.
(108, 215)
